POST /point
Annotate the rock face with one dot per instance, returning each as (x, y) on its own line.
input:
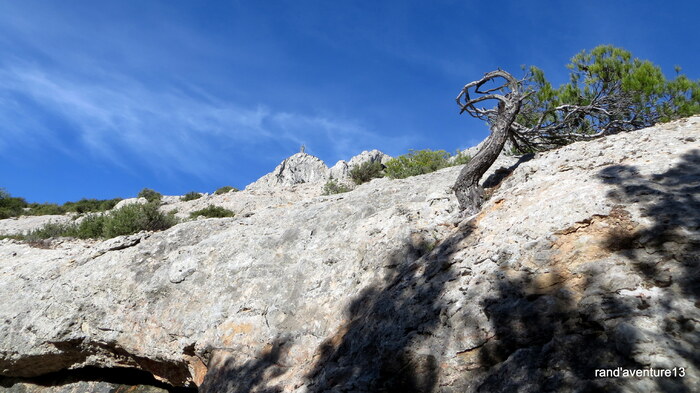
(304, 168)
(341, 170)
(299, 168)
(584, 258)
(25, 224)
(130, 201)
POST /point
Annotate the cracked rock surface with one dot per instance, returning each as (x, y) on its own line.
(584, 258)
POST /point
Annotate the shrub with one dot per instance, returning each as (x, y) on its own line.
(460, 158)
(44, 209)
(14, 207)
(123, 221)
(333, 187)
(51, 229)
(150, 195)
(366, 171)
(225, 189)
(135, 218)
(212, 211)
(11, 206)
(91, 227)
(91, 205)
(417, 162)
(190, 196)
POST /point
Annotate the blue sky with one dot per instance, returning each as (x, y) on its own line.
(101, 99)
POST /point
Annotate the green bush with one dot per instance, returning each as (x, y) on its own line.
(11, 206)
(91, 205)
(333, 187)
(225, 189)
(91, 227)
(123, 221)
(51, 229)
(460, 158)
(135, 218)
(14, 207)
(190, 196)
(44, 209)
(417, 162)
(212, 211)
(366, 171)
(150, 195)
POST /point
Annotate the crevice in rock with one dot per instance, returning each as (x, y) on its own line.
(123, 376)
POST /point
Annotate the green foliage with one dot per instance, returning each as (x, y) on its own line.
(212, 211)
(333, 187)
(15, 207)
(44, 209)
(135, 218)
(123, 221)
(225, 189)
(190, 196)
(417, 162)
(628, 93)
(91, 226)
(91, 205)
(460, 158)
(366, 171)
(51, 229)
(10, 206)
(150, 195)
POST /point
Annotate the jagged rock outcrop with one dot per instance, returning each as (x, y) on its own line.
(584, 258)
(341, 169)
(304, 168)
(299, 168)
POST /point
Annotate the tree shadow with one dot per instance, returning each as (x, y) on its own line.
(226, 374)
(501, 173)
(382, 347)
(668, 251)
(554, 336)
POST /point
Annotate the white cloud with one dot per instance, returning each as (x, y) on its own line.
(118, 119)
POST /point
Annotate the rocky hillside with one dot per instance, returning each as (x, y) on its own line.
(584, 258)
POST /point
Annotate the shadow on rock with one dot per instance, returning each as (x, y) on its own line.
(226, 374)
(633, 306)
(383, 346)
(668, 252)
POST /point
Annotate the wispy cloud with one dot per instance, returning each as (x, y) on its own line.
(118, 119)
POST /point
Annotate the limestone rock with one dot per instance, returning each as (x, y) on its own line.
(584, 258)
(368, 156)
(299, 168)
(26, 224)
(130, 201)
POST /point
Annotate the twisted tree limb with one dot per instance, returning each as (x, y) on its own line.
(467, 189)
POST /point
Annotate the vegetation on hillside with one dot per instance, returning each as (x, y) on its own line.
(14, 206)
(419, 162)
(150, 195)
(212, 211)
(123, 221)
(225, 189)
(333, 187)
(366, 171)
(190, 196)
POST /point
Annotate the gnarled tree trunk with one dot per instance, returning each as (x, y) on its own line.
(467, 189)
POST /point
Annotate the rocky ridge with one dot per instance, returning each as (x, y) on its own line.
(583, 258)
(304, 168)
